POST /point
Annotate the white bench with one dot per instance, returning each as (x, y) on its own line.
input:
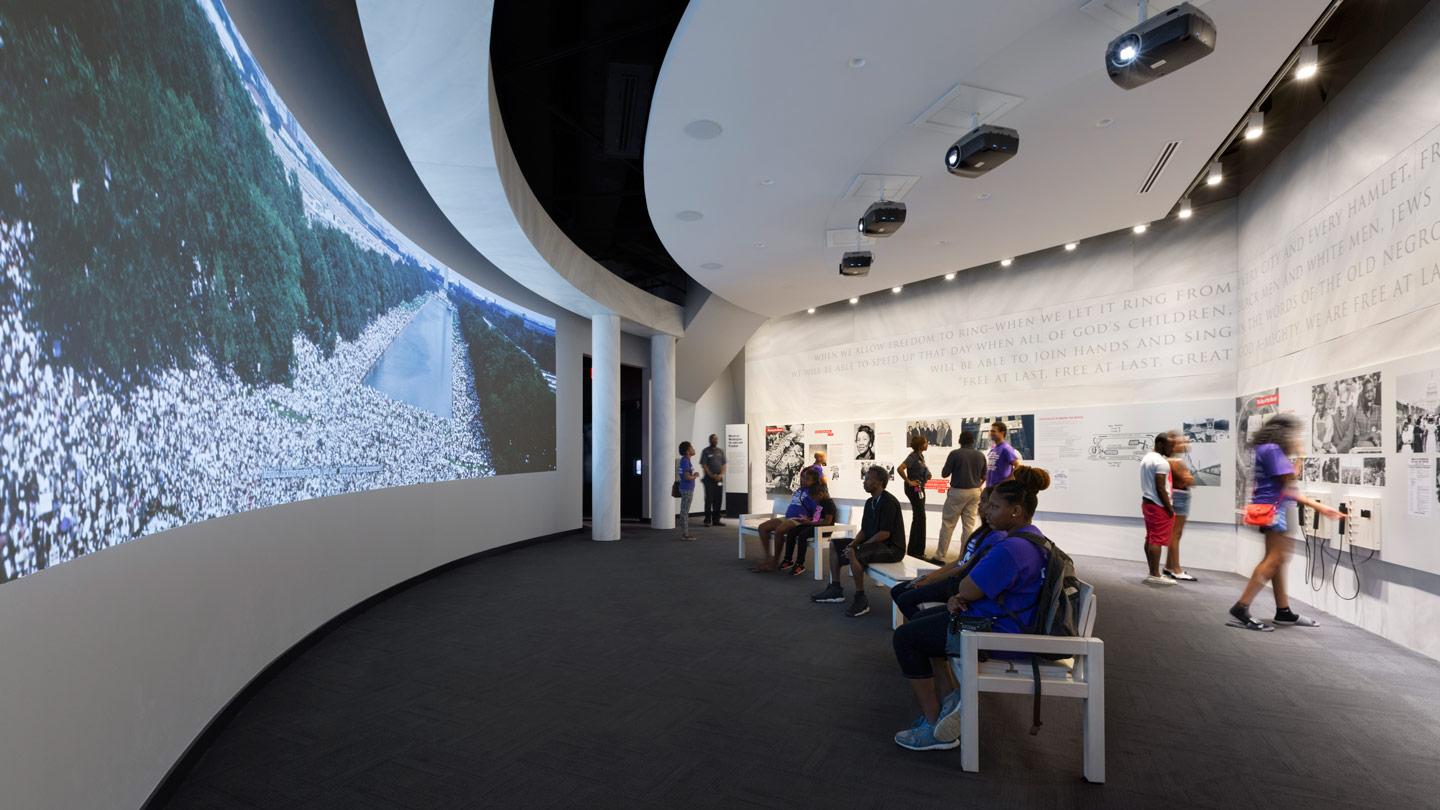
(1082, 676)
(892, 574)
(749, 525)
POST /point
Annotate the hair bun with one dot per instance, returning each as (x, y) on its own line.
(1033, 479)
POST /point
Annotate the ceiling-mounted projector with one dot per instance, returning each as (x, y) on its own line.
(982, 149)
(1160, 45)
(856, 263)
(882, 218)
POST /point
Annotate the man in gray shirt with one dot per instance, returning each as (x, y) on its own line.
(965, 467)
(712, 468)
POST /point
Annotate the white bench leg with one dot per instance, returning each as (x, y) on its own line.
(1094, 722)
(896, 617)
(741, 532)
(817, 557)
(969, 705)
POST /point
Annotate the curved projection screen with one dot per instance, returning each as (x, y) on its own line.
(199, 316)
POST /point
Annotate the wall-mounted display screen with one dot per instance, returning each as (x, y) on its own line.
(199, 315)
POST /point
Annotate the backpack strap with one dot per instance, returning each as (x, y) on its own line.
(1035, 702)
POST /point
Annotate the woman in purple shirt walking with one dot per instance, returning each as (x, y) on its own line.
(1275, 443)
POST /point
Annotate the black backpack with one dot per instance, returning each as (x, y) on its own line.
(1057, 606)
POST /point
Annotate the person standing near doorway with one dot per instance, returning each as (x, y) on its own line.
(712, 468)
(1155, 506)
(965, 467)
(914, 472)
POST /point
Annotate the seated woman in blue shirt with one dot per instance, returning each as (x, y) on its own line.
(1004, 585)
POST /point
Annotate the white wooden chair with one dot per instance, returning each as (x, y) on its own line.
(1082, 676)
(749, 525)
(822, 535)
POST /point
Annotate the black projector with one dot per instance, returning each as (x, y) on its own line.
(982, 149)
(882, 218)
(856, 263)
(1160, 45)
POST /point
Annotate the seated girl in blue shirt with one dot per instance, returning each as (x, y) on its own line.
(1004, 585)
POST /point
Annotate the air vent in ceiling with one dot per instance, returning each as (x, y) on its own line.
(627, 107)
(1159, 167)
(952, 113)
(881, 186)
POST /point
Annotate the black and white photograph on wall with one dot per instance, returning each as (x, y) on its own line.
(1021, 433)
(864, 441)
(1204, 460)
(1251, 411)
(936, 431)
(1352, 470)
(1209, 430)
(1345, 415)
(784, 458)
(1330, 470)
(1374, 472)
(1312, 470)
(1417, 412)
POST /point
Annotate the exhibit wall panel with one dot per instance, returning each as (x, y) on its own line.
(1340, 280)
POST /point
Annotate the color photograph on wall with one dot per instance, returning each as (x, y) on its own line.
(199, 316)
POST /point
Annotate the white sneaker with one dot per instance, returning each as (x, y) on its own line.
(1160, 581)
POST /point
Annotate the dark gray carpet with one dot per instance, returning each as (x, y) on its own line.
(656, 674)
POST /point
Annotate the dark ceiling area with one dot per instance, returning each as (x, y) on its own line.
(1348, 40)
(573, 80)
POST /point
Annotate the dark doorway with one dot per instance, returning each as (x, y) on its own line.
(632, 426)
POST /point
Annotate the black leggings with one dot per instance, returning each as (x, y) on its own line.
(917, 522)
(909, 600)
(797, 541)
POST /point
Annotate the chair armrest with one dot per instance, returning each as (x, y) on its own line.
(761, 515)
(1027, 643)
(842, 530)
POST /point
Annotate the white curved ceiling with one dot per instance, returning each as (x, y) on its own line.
(778, 79)
(432, 64)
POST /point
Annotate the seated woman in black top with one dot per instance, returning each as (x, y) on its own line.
(797, 539)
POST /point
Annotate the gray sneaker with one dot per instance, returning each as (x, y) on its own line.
(832, 594)
(859, 607)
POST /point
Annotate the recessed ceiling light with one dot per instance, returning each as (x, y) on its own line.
(1185, 210)
(760, 244)
(703, 129)
(984, 195)
(711, 266)
(767, 181)
(1309, 62)
(949, 276)
(1215, 175)
(689, 216)
(857, 61)
(1071, 245)
(1104, 122)
(1141, 228)
(811, 310)
(1006, 262)
(854, 300)
(896, 289)
(1255, 127)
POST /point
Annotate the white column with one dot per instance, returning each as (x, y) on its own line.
(605, 427)
(662, 432)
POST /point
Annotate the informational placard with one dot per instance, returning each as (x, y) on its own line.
(1420, 487)
(737, 459)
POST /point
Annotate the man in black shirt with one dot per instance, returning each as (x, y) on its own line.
(881, 540)
(712, 465)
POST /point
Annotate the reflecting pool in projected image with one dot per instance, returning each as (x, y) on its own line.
(416, 367)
